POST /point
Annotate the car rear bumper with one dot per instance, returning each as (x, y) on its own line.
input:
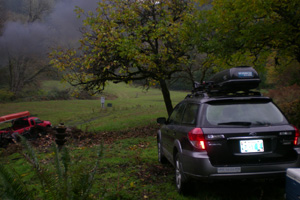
(198, 165)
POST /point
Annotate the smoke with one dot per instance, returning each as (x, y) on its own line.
(61, 27)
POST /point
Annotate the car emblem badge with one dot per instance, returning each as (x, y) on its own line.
(253, 134)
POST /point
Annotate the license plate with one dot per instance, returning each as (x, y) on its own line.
(251, 146)
(225, 170)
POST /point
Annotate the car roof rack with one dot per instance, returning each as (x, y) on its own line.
(236, 81)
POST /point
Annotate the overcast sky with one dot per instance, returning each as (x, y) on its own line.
(60, 27)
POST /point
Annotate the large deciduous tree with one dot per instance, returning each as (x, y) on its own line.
(126, 41)
(22, 55)
(253, 30)
(24, 70)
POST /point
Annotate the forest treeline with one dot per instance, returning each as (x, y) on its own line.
(167, 44)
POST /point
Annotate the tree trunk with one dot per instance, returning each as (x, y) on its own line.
(166, 95)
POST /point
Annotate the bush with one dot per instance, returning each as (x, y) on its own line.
(6, 95)
(285, 94)
(84, 95)
(292, 111)
(56, 94)
(288, 100)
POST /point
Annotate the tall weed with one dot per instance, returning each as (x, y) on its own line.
(64, 183)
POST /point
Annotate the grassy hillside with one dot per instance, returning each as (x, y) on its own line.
(129, 168)
(133, 106)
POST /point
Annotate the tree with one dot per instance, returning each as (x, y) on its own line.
(2, 15)
(23, 71)
(36, 9)
(251, 31)
(127, 41)
(22, 55)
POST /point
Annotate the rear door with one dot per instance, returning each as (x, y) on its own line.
(170, 130)
(247, 132)
(182, 120)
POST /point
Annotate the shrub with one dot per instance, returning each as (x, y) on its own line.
(292, 111)
(288, 100)
(285, 94)
(6, 95)
(85, 95)
(57, 94)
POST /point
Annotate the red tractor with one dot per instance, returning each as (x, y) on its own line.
(22, 124)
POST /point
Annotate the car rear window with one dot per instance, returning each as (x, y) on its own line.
(244, 113)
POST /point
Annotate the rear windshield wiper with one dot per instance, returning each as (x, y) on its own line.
(236, 123)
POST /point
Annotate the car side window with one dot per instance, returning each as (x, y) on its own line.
(38, 121)
(176, 115)
(190, 114)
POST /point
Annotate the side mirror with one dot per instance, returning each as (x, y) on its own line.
(161, 120)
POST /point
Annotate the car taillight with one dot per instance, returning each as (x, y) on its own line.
(196, 137)
(297, 137)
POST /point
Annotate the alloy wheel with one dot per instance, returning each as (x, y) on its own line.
(178, 175)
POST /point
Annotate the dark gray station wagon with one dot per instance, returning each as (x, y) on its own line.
(228, 134)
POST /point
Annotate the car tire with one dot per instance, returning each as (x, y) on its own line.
(161, 158)
(5, 140)
(181, 181)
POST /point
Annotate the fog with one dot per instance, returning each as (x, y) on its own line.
(61, 27)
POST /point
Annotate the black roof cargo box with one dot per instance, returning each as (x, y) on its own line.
(242, 78)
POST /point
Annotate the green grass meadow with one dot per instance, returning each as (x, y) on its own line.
(134, 106)
(129, 168)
